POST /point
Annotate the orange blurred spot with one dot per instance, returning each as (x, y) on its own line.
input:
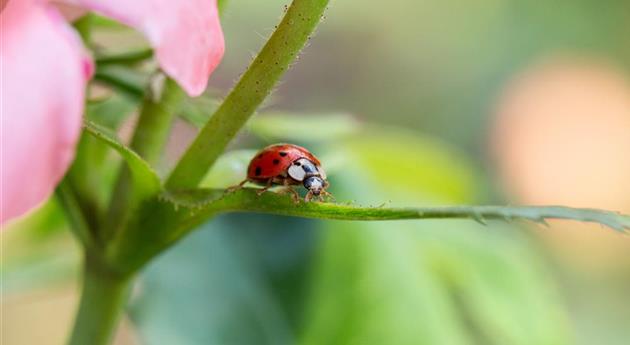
(562, 136)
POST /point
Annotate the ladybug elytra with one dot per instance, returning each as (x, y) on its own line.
(287, 165)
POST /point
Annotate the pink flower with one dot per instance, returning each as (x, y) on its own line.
(44, 71)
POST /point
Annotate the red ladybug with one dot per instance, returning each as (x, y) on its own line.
(287, 165)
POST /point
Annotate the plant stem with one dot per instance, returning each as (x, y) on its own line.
(148, 141)
(254, 86)
(155, 121)
(78, 223)
(129, 88)
(103, 297)
(129, 58)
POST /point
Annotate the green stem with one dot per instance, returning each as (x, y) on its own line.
(258, 81)
(148, 141)
(103, 298)
(132, 89)
(78, 223)
(155, 121)
(127, 58)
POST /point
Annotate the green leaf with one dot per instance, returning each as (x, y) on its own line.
(303, 127)
(174, 214)
(123, 79)
(112, 111)
(92, 171)
(407, 166)
(371, 287)
(125, 58)
(500, 284)
(396, 282)
(229, 170)
(201, 201)
(430, 283)
(221, 297)
(146, 181)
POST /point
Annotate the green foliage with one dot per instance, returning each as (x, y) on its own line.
(406, 282)
(38, 251)
(426, 282)
(146, 181)
(126, 58)
(93, 170)
(196, 205)
(214, 281)
(111, 111)
(229, 170)
(122, 79)
(305, 127)
(400, 161)
(171, 215)
(396, 282)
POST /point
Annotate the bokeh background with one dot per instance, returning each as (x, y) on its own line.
(407, 103)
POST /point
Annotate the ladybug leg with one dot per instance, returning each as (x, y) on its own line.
(308, 196)
(328, 196)
(325, 193)
(296, 196)
(233, 189)
(289, 189)
(269, 182)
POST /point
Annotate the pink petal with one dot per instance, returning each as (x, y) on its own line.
(186, 34)
(44, 74)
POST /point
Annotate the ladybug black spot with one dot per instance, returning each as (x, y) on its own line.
(258, 171)
(276, 161)
(283, 154)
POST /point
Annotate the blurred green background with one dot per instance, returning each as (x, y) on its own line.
(406, 103)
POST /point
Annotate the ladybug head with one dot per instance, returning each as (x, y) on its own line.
(314, 184)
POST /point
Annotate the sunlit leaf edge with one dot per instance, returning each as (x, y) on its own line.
(200, 201)
(147, 180)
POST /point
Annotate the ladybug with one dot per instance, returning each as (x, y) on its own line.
(287, 165)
